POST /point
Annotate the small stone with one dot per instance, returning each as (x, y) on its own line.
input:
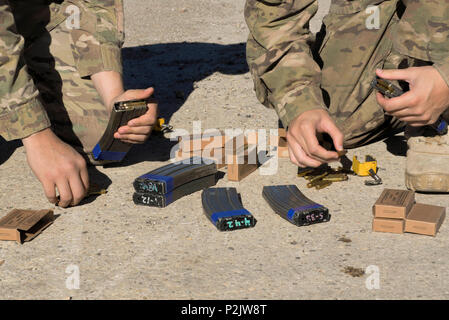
(355, 272)
(344, 239)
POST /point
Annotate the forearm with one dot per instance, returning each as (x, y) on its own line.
(21, 113)
(109, 85)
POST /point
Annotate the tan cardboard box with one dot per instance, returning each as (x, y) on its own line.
(394, 204)
(242, 163)
(209, 141)
(425, 219)
(252, 137)
(388, 225)
(218, 155)
(24, 225)
(272, 140)
(282, 148)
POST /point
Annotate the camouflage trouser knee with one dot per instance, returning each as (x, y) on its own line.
(391, 125)
(74, 107)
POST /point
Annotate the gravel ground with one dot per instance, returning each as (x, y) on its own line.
(193, 53)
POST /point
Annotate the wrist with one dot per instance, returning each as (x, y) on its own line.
(38, 137)
(109, 86)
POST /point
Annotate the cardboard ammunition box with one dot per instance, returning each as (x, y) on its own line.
(273, 140)
(209, 141)
(24, 225)
(252, 137)
(388, 225)
(217, 155)
(394, 204)
(282, 148)
(279, 139)
(425, 219)
(242, 163)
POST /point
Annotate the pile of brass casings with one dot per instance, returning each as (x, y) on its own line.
(324, 176)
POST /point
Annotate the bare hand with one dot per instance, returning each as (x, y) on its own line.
(56, 164)
(303, 146)
(427, 99)
(137, 130)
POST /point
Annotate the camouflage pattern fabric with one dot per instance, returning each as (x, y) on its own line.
(46, 64)
(294, 71)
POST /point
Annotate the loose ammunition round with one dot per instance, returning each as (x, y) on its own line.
(305, 172)
(335, 177)
(341, 153)
(319, 177)
(323, 184)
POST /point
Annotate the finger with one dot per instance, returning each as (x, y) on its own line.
(408, 112)
(78, 190)
(137, 94)
(293, 157)
(298, 142)
(145, 130)
(300, 156)
(395, 74)
(65, 194)
(135, 138)
(50, 192)
(304, 160)
(84, 175)
(328, 126)
(291, 144)
(148, 118)
(404, 101)
(415, 119)
(418, 123)
(314, 150)
(130, 142)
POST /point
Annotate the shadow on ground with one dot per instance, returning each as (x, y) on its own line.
(7, 149)
(98, 181)
(173, 69)
(396, 145)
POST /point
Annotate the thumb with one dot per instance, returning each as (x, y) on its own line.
(149, 91)
(395, 74)
(337, 136)
(144, 93)
(135, 94)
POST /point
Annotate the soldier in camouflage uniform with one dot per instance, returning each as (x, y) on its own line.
(60, 73)
(322, 84)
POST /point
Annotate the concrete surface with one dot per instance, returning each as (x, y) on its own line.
(195, 49)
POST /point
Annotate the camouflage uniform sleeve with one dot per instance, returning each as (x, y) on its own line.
(423, 33)
(98, 41)
(21, 113)
(285, 75)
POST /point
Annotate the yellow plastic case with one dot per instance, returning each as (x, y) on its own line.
(362, 168)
